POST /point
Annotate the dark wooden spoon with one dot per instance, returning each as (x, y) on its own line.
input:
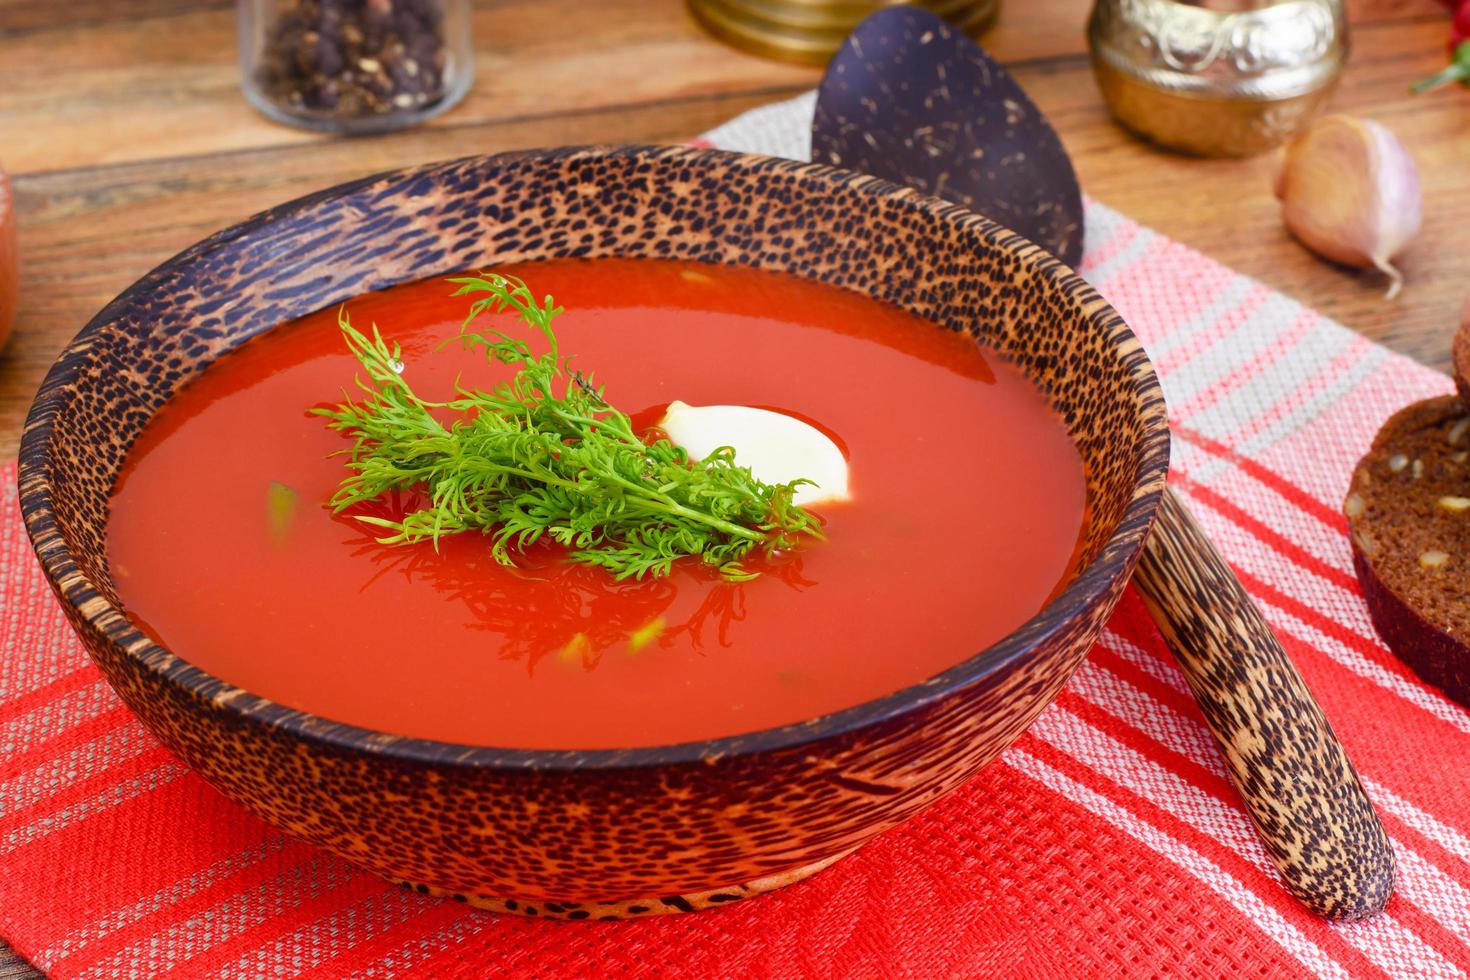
(911, 99)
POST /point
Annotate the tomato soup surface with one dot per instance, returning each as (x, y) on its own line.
(967, 502)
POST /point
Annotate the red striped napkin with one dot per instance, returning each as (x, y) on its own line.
(1106, 841)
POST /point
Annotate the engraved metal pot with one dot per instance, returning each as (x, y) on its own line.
(1217, 77)
(810, 31)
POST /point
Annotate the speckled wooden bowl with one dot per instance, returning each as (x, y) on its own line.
(599, 833)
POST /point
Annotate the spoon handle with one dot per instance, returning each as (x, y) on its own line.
(1298, 786)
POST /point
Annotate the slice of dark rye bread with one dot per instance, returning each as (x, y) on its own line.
(1408, 511)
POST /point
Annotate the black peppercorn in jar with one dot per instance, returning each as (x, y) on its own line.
(354, 66)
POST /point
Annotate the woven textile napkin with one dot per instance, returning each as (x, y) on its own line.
(1107, 841)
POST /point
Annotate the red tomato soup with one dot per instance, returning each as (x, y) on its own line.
(967, 503)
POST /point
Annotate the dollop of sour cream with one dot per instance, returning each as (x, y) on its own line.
(777, 448)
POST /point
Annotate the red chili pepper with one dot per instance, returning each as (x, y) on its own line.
(1458, 70)
(1460, 27)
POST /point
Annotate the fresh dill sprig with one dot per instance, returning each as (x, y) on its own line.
(544, 454)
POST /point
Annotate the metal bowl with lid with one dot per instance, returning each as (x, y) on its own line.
(1217, 77)
(809, 32)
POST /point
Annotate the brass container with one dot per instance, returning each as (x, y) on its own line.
(809, 32)
(1217, 77)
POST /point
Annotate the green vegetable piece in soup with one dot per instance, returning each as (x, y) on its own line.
(280, 512)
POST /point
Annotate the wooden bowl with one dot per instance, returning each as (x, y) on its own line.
(589, 834)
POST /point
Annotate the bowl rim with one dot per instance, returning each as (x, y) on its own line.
(1115, 559)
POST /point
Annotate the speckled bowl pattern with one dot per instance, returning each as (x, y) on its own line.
(595, 834)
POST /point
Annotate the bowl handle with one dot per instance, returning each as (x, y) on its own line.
(1299, 788)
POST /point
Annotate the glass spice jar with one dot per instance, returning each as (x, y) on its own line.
(354, 66)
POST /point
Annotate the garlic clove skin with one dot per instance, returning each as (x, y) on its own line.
(1349, 191)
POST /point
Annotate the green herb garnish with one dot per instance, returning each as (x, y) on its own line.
(523, 460)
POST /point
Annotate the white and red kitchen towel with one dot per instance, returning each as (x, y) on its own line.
(1107, 841)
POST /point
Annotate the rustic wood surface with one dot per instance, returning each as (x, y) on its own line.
(122, 126)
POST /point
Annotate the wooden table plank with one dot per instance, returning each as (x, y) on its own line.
(23, 16)
(169, 86)
(14, 967)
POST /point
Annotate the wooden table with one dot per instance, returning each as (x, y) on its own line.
(125, 133)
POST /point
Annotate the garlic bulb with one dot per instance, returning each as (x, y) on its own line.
(1350, 192)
